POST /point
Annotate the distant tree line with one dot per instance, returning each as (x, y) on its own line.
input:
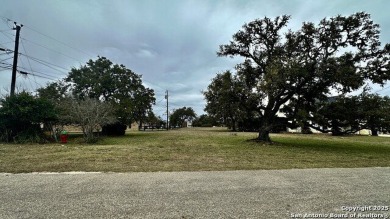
(205, 120)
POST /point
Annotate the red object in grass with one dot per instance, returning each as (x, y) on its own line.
(64, 138)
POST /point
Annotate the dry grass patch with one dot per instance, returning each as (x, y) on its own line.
(196, 149)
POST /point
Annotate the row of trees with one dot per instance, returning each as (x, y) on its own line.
(179, 117)
(98, 96)
(339, 115)
(295, 69)
(344, 115)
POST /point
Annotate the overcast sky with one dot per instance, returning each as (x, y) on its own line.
(172, 44)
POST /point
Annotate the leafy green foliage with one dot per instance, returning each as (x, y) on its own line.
(375, 112)
(21, 116)
(339, 115)
(55, 91)
(205, 121)
(339, 53)
(344, 115)
(222, 97)
(181, 115)
(155, 121)
(110, 85)
(115, 84)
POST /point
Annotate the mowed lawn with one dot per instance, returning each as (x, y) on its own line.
(194, 149)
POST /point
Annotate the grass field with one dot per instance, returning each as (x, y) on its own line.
(196, 149)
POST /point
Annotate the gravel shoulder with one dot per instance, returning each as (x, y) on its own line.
(227, 194)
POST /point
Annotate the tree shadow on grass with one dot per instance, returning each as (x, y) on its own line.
(338, 146)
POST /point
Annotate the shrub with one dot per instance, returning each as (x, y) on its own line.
(115, 129)
(21, 116)
(90, 114)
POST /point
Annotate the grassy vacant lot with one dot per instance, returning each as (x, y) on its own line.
(197, 149)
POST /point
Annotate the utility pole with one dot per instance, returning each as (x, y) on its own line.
(14, 67)
(166, 97)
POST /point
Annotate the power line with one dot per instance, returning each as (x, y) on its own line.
(28, 60)
(35, 72)
(25, 77)
(6, 50)
(6, 66)
(40, 76)
(159, 101)
(5, 63)
(60, 42)
(15, 61)
(51, 50)
(36, 82)
(48, 64)
(39, 72)
(52, 66)
(5, 19)
(6, 35)
(6, 59)
(43, 62)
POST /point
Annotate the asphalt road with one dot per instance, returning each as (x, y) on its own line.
(314, 193)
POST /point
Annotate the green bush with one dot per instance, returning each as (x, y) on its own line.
(21, 117)
(32, 134)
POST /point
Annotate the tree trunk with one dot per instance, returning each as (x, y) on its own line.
(305, 129)
(265, 128)
(336, 131)
(264, 135)
(234, 125)
(374, 132)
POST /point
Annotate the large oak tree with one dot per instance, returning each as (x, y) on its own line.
(222, 97)
(339, 53)
(122, 88)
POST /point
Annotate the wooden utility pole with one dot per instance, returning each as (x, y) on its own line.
(14, 67)
(166, 97)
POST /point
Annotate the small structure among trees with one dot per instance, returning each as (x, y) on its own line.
(152, 122)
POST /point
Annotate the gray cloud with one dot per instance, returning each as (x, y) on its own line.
(171, 43)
